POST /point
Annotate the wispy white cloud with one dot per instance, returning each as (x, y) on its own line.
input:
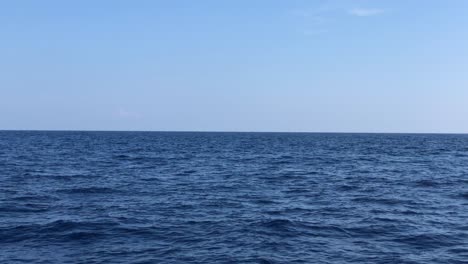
(322, 19)
(365, 12)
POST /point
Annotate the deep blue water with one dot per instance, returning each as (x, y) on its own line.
(154, 197)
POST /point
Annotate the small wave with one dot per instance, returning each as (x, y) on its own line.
(383, 201)
(425, 241)
(33, 197)
(464, 195)
(24, 208)
(278, 224)
(281, 162)
(141, 159)
(299, 228)
(264, 201)
(426, 183)
(347, 188)
(88, 190)
(459, 250)
(264, 261)
(81, 235)
(57, 230)
(186, 172)
(67, 177)
(121, 156)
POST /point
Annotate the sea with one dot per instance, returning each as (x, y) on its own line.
(199, 197)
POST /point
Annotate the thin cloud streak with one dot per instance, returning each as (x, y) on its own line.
(316, 21)
(365, 12)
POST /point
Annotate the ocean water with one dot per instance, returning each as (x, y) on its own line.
(157, 197)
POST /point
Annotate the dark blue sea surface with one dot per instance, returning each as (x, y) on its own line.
(160, 197)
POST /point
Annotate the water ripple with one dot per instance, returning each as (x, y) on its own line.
(124, 197)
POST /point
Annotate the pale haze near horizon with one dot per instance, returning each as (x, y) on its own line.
(318, 66)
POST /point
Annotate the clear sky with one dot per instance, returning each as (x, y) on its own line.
(235, 65)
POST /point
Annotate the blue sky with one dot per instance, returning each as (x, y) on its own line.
(243, 65)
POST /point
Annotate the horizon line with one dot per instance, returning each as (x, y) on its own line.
(228, 131)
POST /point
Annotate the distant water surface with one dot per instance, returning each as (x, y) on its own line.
(154, 197)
